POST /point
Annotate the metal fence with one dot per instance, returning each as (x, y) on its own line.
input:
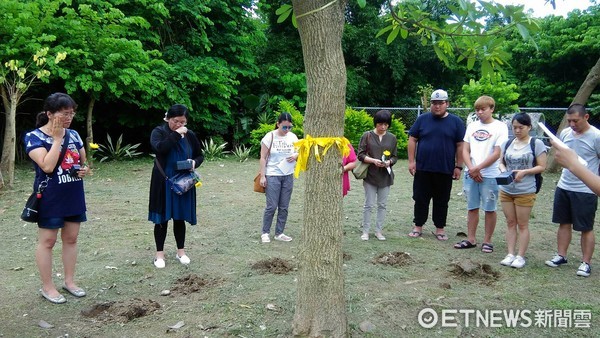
(551, 117)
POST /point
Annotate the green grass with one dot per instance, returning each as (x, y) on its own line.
(225, 244)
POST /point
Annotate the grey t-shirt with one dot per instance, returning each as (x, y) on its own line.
(519, 158)
(587, 146)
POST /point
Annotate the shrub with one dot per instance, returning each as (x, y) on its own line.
(213, 151)
(503, 93)
(357, 122)
(117, 152)
(242, 153)
(297, 120)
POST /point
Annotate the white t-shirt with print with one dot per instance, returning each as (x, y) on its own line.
(283, 147)
(482, 139)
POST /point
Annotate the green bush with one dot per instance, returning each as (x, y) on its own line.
(297, 120)
(241, 153)
(213, 151)
(357, 122)
(503, 93)
(117, 152)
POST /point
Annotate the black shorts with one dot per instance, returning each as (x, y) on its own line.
(577, 208)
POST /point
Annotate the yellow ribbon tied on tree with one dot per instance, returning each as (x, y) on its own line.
(315, 144)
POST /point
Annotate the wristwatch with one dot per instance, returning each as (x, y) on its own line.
(458, 167)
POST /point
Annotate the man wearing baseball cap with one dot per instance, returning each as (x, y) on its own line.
(434, 159)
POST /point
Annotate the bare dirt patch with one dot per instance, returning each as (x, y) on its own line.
(276, 266)
(467, 269)
(394, 259)
(122, 312)
(192, 283)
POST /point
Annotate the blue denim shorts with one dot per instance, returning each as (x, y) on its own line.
(482, 195)
(59, 222)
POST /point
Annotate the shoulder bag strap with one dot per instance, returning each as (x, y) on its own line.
(63, 150)
(160, 168)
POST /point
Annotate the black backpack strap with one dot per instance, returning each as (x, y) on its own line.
(510, 140)
(532, 145)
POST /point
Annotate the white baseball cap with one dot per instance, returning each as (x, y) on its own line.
(439, 95)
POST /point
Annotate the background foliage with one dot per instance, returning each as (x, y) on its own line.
(129, 61)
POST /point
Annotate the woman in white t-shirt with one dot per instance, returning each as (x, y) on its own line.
(277, 162)
(518, 197)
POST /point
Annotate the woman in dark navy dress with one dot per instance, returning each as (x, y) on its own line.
(172, 142)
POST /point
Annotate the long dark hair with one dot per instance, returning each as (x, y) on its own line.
(53, 103)
(284, 117)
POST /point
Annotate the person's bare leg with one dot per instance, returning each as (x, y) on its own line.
(43, 259)
(69, 235)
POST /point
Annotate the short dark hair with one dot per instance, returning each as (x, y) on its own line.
(522, 118)
(53, 103)
(177, 110)
(382, 116)
(577, 108)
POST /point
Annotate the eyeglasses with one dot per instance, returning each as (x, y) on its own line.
(67, 114)
(182, 123)
(287, 127)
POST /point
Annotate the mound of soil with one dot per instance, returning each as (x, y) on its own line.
(393, 258)
(276, 266)
(192, 283)
(122, 311)
(467, 269)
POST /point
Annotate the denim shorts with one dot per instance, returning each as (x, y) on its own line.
(482, 195)
(59, 222)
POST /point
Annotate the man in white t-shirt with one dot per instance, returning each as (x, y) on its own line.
(481, 154)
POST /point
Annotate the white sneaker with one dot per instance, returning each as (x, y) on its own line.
(185, 260)
(364, 237)
(283, 237)
(584, 270)
(159, 263)
(380, 236)
(265, 238)
(518, 263)
(507, 261)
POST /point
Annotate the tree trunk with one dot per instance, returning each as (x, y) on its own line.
(90, 133)
(6, 104)
(582, 96)
(7, 164)
(320, 302)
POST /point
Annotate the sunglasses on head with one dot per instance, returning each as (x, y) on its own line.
(287, 127)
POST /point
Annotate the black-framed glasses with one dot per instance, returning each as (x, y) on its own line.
(287, 127)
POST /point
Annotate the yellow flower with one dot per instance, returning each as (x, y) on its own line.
(94, 146)
(386, 153)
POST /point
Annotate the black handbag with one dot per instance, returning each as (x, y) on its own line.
(31, 210)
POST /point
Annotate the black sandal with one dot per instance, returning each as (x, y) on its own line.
(464, 244)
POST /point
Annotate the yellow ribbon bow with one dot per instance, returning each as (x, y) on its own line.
(305, 145)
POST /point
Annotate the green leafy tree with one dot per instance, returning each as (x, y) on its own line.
(504, 94)
(567, 48)
(16, 77)
(320, 303)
